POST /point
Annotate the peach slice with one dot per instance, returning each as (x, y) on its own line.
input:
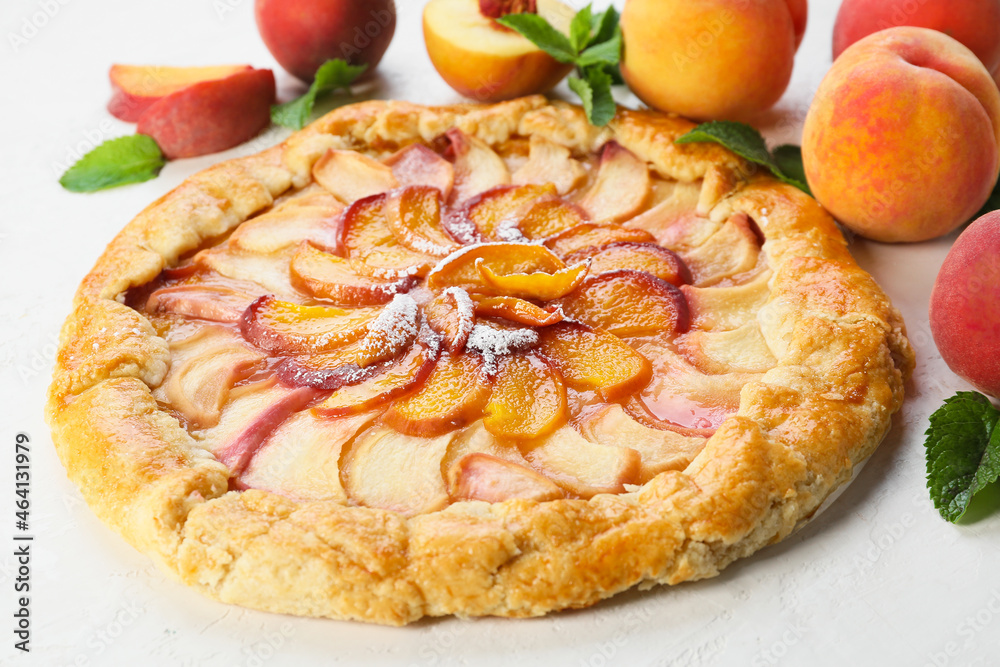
(414, 218)
(453, 395)
(742, 350)
(205, 301)
(451, 314)
(495, 214)
(548, 162)
(622, 187)
(327, 276)
(403, 376)
(418, 165)
(676, 202)
(477, 167)
(280, 327)
(583, 467)
(589, 360)
(536, 285)
(348, 365)
(393, 330)
(463, 268)
(550, 216)
(312, 216)
(210, 116)
(528, 400)
(727, 308)
(479, 476)
(365, 236)
(134, 88)
(261, 273)
(591, 235)
(516, 310)
(733, 249)
(350, 176)
(648, 257)
(628, 303)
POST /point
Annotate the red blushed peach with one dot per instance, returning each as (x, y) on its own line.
(975, 23)
(964, 322)
(304, 34)
(483, 60)
(211, 116)
(901, 141)
(135, 88)
(721, 59)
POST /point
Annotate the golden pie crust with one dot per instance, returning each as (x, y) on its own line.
(802, 427)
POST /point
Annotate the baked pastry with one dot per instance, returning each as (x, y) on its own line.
(470, 360)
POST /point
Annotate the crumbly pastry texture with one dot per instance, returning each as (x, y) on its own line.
(841, 362)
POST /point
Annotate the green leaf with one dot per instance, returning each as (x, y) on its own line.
(131, 159)
(605, 53)
(538, 31)
(789, 160)
(963, 452)
(605, 25)
(332, 75)
(595, 93)
(579, 29)
(743, 140)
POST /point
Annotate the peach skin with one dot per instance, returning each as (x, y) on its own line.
(901, 140)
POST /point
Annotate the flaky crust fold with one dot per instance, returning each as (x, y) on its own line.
(801, 428)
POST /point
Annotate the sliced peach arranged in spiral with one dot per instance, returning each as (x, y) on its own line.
(205, 301)
(451, 314)
(418, 165)
(548, 162)
(495, 214)
(280, 327)
(413, 215)
(350, 176)
(628, 303)
(589, 359)
(517, 310)
(479, 476)
(453, 395)
(327, 276)
(463, 268)
(623, 185)
(649, 257)
(365, 235)
(346, 365)
(528, 400)
(550, 216)
(536, 285)
(477, 167)
(592, 235)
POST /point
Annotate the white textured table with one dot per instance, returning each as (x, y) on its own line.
(878, 579)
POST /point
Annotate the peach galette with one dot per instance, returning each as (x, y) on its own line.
(471, 360)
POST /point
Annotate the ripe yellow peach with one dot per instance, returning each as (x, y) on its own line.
(721, 59)
(901, 140)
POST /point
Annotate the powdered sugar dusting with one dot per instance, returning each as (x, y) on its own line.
(466, 311)
(394, 328)
(494, 344)
(510, 231)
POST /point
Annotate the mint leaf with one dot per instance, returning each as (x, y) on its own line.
(605, 25)
(332, 75)
(131, 159)
(746, 142)
(540, 33)
(789, 160)
(579, 29)
(963, 452)
(595, 93)
(605, 53)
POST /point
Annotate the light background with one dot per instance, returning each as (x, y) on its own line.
(879, 579)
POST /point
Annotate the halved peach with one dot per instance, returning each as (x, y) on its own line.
(205, 301)
(622, 187)
(649, 257)
(453, 395)
(550, 216)
(592, 235)
(327, 276)
(477, 167)
(280, 327)
(528, 399)
(350, 176)
(451, 314)
(496, 213)
(404, 375)
(462, 268)
(479, 476)
(548, 162)
(516, 310)
(413, 215)
(418, 165)
(536, 285)
(628, 303)
(589, 359)
(134, 88)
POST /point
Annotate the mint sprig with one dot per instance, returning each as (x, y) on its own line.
(332, 75)
(594, 46)
(745, 141)
(963, 452)
(131, 159)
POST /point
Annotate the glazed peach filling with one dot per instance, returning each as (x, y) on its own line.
(414, 331)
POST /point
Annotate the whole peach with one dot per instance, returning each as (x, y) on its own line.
(902, 141)
(975, 23)
(963, 314)
(711, 58)
(304, 34)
